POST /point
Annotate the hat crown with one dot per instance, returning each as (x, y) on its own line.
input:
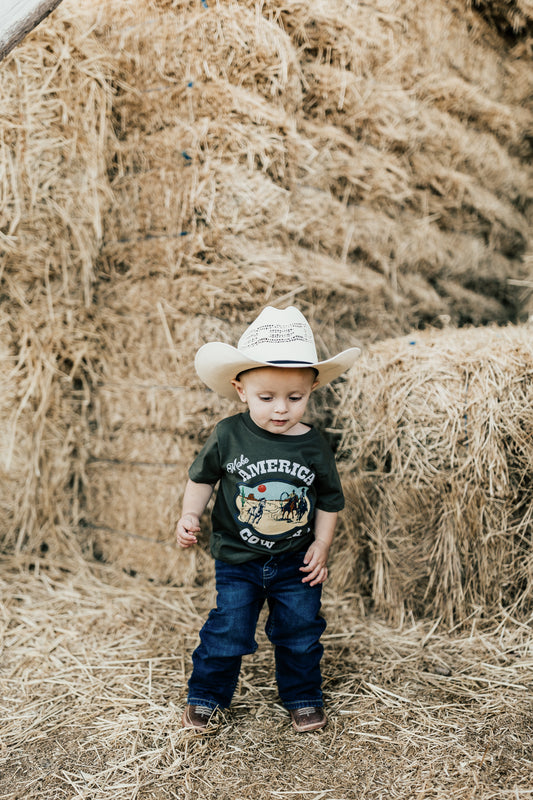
(278, 336)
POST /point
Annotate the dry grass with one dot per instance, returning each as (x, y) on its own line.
(93, 675)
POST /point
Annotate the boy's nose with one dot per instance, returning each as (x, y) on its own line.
(281, 405)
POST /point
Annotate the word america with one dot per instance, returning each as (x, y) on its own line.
(270, 465)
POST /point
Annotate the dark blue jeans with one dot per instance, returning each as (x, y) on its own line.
(294, 627)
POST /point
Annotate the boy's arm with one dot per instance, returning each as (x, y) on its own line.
(316, 556)
(195, 499)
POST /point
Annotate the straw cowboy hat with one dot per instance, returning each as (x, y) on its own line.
(280, 338)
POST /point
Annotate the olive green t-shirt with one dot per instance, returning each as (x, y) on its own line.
(270, 487)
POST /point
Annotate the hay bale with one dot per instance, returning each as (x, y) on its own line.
(145, 421)
(340, 144)
(55, 97)
(437, 457)
(40, 458)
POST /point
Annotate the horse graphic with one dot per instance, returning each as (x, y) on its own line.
(289, 506)
(302, 507)
(255, 514)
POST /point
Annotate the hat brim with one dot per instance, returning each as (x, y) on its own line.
(217, 364)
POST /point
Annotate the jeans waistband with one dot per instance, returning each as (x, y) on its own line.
(278, 556)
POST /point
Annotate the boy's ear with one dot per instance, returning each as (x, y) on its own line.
(315, 385)
(239, 389)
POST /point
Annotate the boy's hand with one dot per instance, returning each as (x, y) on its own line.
(186, 528)
(316, 563)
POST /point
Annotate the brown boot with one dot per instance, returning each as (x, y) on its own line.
(308, 719)
(197, 717)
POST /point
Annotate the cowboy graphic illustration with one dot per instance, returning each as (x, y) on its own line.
(272, 508)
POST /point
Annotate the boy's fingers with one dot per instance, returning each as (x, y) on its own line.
(311, 566)
(185, 526)
(186, 540)
(185, 534)
(318, 575)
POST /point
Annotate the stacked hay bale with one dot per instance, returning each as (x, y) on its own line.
(285, 136)
(55, 99)
(369, 163)
(438, 458)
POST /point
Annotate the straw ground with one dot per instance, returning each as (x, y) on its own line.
(93, 675)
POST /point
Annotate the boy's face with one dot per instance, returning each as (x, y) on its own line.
(277, 397)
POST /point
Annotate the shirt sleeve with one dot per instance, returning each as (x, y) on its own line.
(330, 496)
(206, 466)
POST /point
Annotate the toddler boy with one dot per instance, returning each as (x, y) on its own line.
(273, 519)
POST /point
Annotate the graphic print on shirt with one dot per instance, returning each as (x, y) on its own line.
(273, 508)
